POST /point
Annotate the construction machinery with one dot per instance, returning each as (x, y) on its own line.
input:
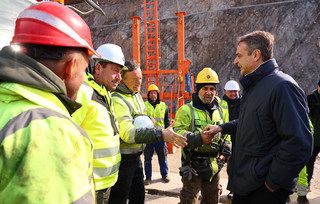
(176, 85)
(94, 6)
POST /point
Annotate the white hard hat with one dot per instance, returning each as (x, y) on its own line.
(110, 53)
(232, 86)
(143, 121)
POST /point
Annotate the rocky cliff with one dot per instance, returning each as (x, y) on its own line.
(211, 29)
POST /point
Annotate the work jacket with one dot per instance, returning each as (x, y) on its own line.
(45, 157)
(127, 105)
(273, 139)
(193, 118)
(97, 118)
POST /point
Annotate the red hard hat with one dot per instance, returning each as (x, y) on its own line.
(51, 23)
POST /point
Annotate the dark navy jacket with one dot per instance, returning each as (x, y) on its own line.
(273, 134)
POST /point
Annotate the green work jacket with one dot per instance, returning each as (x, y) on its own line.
(127, 106)
(45, 157)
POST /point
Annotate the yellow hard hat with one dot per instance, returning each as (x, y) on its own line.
(207, 75)
(153, 87)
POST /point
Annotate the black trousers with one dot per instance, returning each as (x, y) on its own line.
(130, 183)
(262, 196)
(312, 160)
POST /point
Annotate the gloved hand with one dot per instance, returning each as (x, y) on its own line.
(188, 171)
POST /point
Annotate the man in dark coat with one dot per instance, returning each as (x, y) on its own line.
(273, 135)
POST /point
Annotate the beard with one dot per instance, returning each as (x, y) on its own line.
(206, 100)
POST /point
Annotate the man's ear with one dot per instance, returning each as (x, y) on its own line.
(70, 67)
(256, 55)
(98, 68)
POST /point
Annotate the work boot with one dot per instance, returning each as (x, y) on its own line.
(166, 179)
(303, 200)
(147, 181)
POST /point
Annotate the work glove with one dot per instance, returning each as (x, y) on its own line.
(187, 171)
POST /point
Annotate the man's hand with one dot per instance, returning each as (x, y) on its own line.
(153, 120)
(212, 130)
(172, 137)
(206, 137)
(221, 158)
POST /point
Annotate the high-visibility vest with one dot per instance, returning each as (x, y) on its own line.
(98, 119)
(126, 107)
(45, 156)
(302, 185)
(224, 105)
(158, 113)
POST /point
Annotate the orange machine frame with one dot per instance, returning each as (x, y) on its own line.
(174, 92)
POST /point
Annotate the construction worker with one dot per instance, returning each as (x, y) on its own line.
(231, 105)
(134, 132)
(203, 157)
(98, 118)
(45, 156)
(314, 114)
(302, 187)
(160, 112)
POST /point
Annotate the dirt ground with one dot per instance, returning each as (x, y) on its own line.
(175, 185)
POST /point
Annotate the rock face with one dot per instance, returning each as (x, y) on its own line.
(211, 30)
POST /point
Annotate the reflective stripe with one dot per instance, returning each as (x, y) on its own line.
(100, 172)
(132, 150)
(124, 100)
(159, 119)
(132, 135)
(90, 178)
(86, 198)
(106, 152)
(126, 117)
(193, 117)
(25, 118)
(54, 22)
(302, 190)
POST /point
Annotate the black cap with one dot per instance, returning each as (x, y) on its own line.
(200, 85)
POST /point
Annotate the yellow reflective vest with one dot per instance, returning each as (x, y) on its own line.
(158, 113)
(97, 118)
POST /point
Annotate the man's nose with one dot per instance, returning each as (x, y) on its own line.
(119, 76)
(236, 61)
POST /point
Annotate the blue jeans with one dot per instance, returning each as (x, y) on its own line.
(130, 182)
(162, 152)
